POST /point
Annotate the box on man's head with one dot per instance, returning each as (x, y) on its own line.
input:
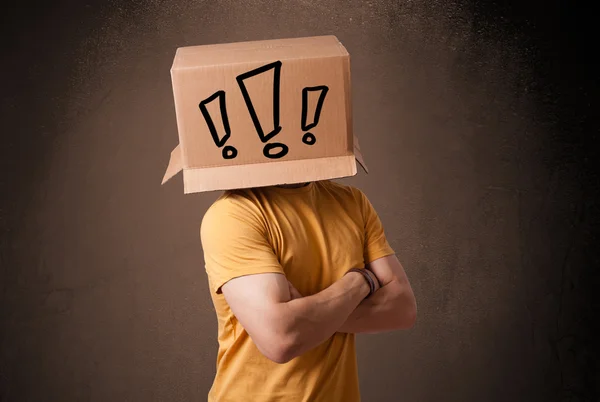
(254, 114)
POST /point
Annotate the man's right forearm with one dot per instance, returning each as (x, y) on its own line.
(309, 321)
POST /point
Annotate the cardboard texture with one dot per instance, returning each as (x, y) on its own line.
(263, 113)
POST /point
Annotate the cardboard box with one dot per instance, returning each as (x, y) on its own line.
(263, 113)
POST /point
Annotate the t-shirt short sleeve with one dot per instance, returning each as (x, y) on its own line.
(376, 243)
(235, 242)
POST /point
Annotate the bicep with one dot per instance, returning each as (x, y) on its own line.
(256, 301)
(387, 269)
(396, 296)
(235, 244)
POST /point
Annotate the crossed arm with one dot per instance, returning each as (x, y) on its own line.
(284, 326)
(392, 307)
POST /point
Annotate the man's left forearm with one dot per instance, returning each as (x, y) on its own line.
(391, 308)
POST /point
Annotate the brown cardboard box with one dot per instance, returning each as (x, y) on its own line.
(262, 113)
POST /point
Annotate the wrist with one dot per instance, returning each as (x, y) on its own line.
(363, 280)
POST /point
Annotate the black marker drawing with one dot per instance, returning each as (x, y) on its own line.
(273, 150)
(228, 152)
(309, 138)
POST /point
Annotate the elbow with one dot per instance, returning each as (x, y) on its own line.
(281, 344)
(281, 354)
(279, 349)
(402, 298)
(409, 318)
(406, 316)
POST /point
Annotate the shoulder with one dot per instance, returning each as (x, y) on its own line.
(344, 190)
(232, 200)
(233, 207)
(350, 194)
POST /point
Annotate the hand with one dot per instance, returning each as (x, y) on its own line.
(294, 293)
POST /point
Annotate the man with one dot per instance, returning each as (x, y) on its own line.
(279, 261)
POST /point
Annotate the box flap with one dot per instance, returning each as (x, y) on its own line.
(175, 165)
(359, 156)
(267, 174)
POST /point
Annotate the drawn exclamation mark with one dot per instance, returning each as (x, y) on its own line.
(309, 94)
(228, 152)
(273, 150)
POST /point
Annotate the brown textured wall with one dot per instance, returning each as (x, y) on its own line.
(104, 297)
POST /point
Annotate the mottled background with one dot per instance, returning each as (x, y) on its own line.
(476, 121)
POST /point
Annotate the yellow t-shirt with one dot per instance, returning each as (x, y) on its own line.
(313, 235)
